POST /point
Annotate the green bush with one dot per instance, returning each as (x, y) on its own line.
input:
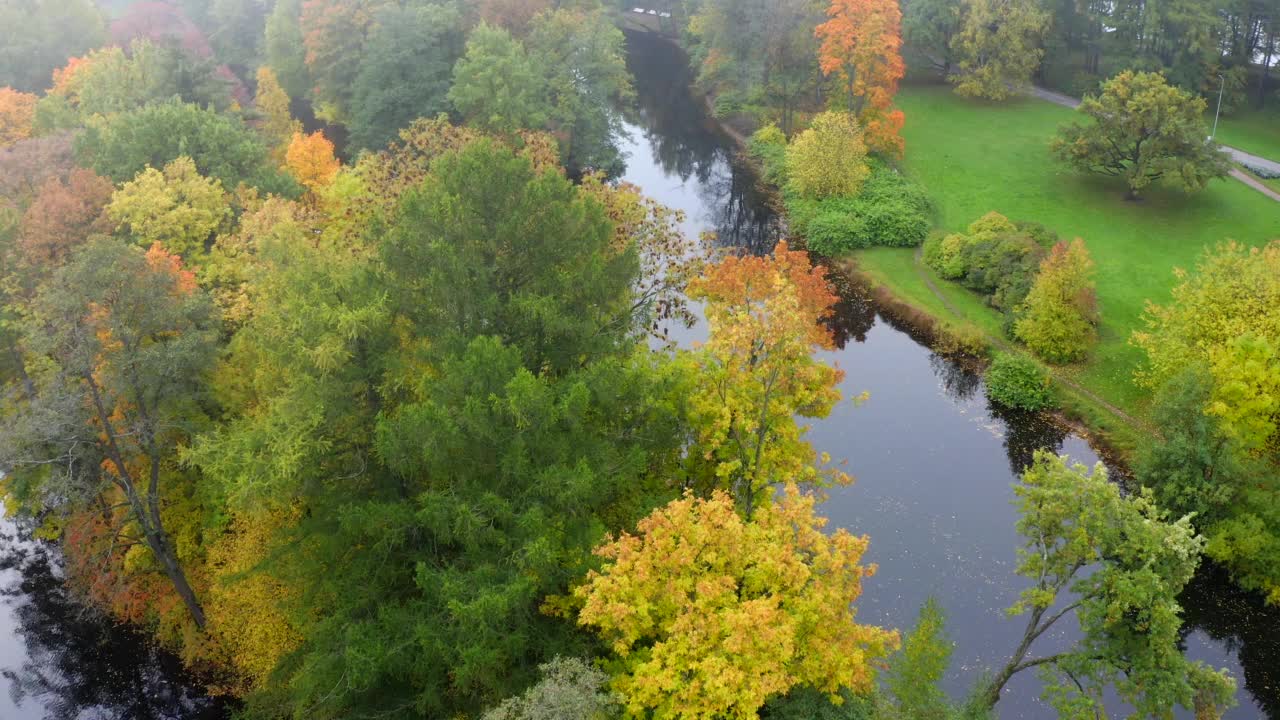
(769, 146)
(996, 258)
(891, 211)
(1018, 382)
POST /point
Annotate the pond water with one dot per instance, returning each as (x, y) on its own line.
(934, 462)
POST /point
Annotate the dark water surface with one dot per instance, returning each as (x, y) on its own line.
(934, 462)
(62, 661)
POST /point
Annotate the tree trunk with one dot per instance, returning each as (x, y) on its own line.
(158, 541)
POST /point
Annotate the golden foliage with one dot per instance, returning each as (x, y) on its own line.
(17, 114)
(711, 615)
(311, 161)
(829, 158)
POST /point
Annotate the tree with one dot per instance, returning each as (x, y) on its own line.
(928, 28)
(285, 52)
(1216, 341)
(1059, 318)
(1144, 130)
(237, 30)
(1223, 318)
(495, 85)
(277, 125)
(710, 615)
(221, 147)
(489, 246)
(757, 372)
(310, 160)
(17, 115)
(861, 43)
(405, 72)
(334, 34)
(177, 209)
(1126, 605)
(570, 689)
(110, 80)
(580, 56)
(998, 47)
(132, 339)
(829, 158)
(37, 36)
(62, 217)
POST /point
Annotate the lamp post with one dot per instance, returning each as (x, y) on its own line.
(1221, 86)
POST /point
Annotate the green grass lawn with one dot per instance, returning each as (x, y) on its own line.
(976, 157)
(1254, 131)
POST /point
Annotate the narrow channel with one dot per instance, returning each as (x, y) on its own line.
(934, 462)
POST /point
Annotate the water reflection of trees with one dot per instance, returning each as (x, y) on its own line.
(79, 665)
(1025, 433)
(1247, 629)
(959, 382)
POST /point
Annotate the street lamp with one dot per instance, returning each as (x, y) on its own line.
(1222, 85)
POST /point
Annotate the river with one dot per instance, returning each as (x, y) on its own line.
(934, 463)
(934, 467)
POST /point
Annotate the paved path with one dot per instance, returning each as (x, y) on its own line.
(1238, 156)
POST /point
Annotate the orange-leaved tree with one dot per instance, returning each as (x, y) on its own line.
(17, 114)
(861, 47)
(710, 615)
(311, 161)
(757, 372)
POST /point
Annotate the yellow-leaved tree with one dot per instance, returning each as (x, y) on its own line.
(17, 114)
(178, 208)
(756, 373)
(276, 124)
(829, 158)
(710, 615)
(311, 161)
(1060, 315)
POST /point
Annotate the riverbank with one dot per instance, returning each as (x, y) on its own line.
(954, 322)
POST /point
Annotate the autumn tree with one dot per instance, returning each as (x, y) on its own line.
(495, 86)
(63, 216)
(310, 160)
(405, 71)
(1143, 130)
(1138, 561)
(1059, 318)
(998, 47)
(829, 158)
(710, 615)
(277, 123)
(128, 339)
(176, 208)
(17, 114)
(757, 372)
(861, 48)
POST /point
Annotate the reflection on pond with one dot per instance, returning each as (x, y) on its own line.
(65, 661)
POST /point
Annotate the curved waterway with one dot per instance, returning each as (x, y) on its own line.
(934, 462)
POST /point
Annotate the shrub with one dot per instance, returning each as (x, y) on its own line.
(829, 158)
(769, 146)
(996, 258)
(962, 340)
(1018, 382)
(891, 211)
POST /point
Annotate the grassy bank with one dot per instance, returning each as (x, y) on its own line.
(976, 157)
(1253, 131)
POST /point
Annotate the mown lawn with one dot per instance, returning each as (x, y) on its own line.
(1254, 131)
(976, 157)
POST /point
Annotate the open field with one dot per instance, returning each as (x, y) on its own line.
(976, 157)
